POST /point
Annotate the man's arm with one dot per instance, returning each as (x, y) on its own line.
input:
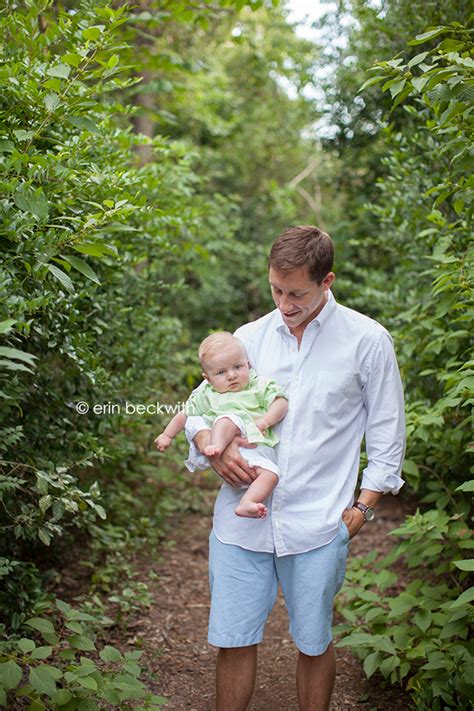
(230, 466)
(384, 433)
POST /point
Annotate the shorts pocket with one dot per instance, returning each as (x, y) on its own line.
(345, 532)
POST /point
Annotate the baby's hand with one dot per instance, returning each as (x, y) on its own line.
(162, 442)
(262, 424)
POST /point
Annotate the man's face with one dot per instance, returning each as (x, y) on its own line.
(298, 298)
(228, 370)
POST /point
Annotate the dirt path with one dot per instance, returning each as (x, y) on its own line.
(173, 635)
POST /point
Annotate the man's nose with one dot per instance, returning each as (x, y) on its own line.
(283, 302)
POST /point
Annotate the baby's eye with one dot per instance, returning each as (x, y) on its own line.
(238, 365)
(220, 372)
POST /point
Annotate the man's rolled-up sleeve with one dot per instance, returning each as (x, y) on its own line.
(385, 428)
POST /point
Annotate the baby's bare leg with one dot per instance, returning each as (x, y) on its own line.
(223, 432)
(251, 504)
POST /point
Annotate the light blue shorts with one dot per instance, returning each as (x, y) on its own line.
(244, 587)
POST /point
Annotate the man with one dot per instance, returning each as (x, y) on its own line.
(342, 380)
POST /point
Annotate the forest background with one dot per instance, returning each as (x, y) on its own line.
(150, 154)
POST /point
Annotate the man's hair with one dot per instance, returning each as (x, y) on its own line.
(214, 344)
(301, 246)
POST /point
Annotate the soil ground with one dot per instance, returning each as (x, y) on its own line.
(173, 633)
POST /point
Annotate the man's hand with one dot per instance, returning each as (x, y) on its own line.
(230, 466)
(354, 520)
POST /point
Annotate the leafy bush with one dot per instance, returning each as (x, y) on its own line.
(420, 636)
(95, 247)
(425, 216)
(70, 680)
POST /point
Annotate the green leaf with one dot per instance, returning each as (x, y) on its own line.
(417, 59)
(63, 606)
(465, 597)
(45, 627)
(402, 604)
(83, 122)
(23, 135)
(17, 354)
(371, 663)
(10, 675)
(110, 654)
(42, 680)
(95, 249)
(10, 365)
(26, 645)
(6, 326)
(466, 564)
(422, 619)
(61, 71)
(73, 59)
(42, 652)
(74, 626)
(88, 682)
(396, 87)
(81, 642)
(388, 665)
(51, 101)
(371, 82)
(62, 277)
(30, 200)
(83, 268)
(466, 486)
(6, 146)
(431, 34)
(61, 697)
(93, 33)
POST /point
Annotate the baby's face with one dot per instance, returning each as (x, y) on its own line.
(228, 370)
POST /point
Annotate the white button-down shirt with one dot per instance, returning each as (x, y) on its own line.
(342, 383)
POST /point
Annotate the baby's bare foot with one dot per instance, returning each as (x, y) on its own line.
(251, 510)
(212, 450)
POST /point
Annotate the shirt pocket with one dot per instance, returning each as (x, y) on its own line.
(337, 393)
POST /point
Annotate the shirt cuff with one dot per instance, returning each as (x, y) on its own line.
(383, 482)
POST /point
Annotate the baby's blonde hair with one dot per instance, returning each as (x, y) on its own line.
(215, 342)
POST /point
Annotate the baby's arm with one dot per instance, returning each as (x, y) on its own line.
(174, 427)
(274, 414)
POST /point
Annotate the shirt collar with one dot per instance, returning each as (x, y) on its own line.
(328, 308)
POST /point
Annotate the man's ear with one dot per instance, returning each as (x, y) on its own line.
(329, 280)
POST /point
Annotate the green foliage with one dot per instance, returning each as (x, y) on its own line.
(420, 636)
(57, 675)
(122, 245)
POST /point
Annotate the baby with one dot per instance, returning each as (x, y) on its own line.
(235, 401)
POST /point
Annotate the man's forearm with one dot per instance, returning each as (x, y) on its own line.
(369, 498)
(202, 439)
